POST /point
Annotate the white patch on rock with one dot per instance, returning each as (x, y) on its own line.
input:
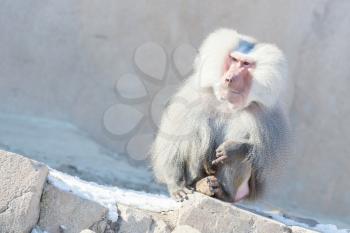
(110, 196)
(87, 231)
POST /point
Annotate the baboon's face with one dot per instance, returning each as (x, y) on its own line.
(235, 83)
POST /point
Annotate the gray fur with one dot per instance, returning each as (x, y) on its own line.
(178, 159)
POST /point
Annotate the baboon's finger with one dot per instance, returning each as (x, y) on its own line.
(219, 160)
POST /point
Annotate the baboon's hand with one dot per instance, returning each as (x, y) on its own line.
(229, 149)
(209, 186)
(182, 194)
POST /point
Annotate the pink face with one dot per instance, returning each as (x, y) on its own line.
(236, 80)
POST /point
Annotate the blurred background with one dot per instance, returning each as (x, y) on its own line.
(83, 84)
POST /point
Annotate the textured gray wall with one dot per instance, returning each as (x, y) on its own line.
(62, 59)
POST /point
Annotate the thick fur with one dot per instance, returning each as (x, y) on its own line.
(270, 78)
(195, 122)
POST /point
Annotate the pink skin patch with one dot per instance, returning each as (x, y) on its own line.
(236, 80)
(242, 191)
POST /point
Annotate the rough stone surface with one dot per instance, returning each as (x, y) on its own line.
(297, 229)
(160, 227)
(140, 221)
(104, 226)
(21, 184)
(185, 228)
(208, 215)
(200, 214)
(63, 210)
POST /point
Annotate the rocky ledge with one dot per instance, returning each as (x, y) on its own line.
(29, 202)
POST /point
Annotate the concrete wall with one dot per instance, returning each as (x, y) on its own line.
(63, 60)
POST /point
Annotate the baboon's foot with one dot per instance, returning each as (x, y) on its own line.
(182, 194)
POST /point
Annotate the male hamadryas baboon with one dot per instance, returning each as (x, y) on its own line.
(225, 128)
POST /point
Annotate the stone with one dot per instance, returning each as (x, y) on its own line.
(185, 228)
(104, 226)
(21, 186)
(37, 229)
(137, 223)
(133, 220)
(23, 183)
(297, 229)
(207, 215)
(60, 209)
(159, 226)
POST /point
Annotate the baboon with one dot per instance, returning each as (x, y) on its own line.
(227, 122)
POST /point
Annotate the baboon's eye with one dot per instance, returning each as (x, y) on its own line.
(246, 63)
(234, 59)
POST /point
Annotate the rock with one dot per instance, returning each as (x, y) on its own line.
(133, 220)
(87, 231)
(60, 209)
(21, 183)
(104, 226)
(297, 229)
(37, 229)
(159, 226)
(185, 228)
(210, 215)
